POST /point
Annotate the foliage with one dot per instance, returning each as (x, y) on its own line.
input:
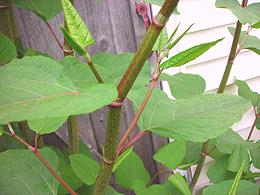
(43, 92)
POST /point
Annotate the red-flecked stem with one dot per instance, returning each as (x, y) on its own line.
(39, 156)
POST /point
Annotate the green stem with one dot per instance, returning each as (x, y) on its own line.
(73, 135)
(93, 68)
(199, 167)
(222, 86)
(124, 86)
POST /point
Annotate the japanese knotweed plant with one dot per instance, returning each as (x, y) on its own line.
(46, 92)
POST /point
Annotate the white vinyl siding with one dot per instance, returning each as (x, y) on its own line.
(210, 24)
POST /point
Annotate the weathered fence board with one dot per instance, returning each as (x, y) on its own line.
(116, 28)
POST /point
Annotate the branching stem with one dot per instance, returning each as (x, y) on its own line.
(39, 156)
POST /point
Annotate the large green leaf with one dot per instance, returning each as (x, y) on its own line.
(46, 125)
(75, 25)
(245, 92)
(112, 67)
(237, 158)
(46, 9)
(35, 88)
(78, 72)
(172, 154)
(121, 158)
(22, 173)
(185, 85)
(196, 119)
(249, 14)
(179, 182)
(161, 42)
(85, 168)
(7, 49)
(188, 55)
(217, 172)
(245, 188)
(247, 41)
(129, 170)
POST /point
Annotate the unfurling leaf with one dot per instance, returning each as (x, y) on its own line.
(188, 55)
(161, 42)
(46, 9)
(7, 49)
(78, 32)
(235, 185)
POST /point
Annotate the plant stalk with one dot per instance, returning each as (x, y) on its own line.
(39, 156)
(232, 55)
(123, 88)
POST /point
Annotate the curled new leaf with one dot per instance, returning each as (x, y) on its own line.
(77, 29)
(188, 55)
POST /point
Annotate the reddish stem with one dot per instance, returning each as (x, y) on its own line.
(138, 114)
(39, 156)
(54, 35)
(253, 126)
(131, 142)
(159, 173)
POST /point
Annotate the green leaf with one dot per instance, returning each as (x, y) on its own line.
(255, 156)
(247, 41)
(73, 42)
(179, 38)
(218, 172)
(46, 125)
(7, 49)
(196, 119)
(188, 55)
(228, 141)
(129, 170)
(1, 130)
(72, 66)
(245, 92)
(192, 154)
(245, 188)
(46, 9)
(161, 42)
(85, 168)
(35, 88)
(185, 85)
(257, 123)
(172, 154)
(33, 52)
(156, 189)
(122, 157)
(237, 158)
(21, 172)
(68, 175)
(235, 185)
(249, 14)
(179, 182)
(76, 27)
(112, 67)
(256, 25)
